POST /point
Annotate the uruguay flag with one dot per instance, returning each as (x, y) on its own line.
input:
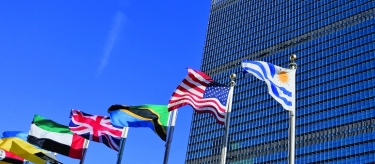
(280, 81)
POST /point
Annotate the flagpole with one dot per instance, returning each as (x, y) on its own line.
(170, 136)
(54, 155)
(85, 146)
(227, 119)
(124, 135)
(292, 117)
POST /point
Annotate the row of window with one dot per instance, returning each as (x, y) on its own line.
(314, 91)
(335, 148)
(336, 58)
(321, 120)
(312, 47)
(323, 146)
(338, 107)
(274, 30)
(334, 137)
(331, 46)
(276, 38)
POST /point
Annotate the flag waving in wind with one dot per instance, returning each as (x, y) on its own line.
(55, 137)
(8, 157)
(23, 136)
(95, 128)
(26, 151)
(202, 93)
(280, 81)
(149, 115)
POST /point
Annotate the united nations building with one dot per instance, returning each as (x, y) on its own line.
(334, 41)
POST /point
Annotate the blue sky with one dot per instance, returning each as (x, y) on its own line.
(88, 55)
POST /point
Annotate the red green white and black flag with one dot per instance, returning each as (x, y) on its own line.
(55, 137)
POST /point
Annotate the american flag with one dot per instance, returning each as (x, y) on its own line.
(95, 128)
(202, 93)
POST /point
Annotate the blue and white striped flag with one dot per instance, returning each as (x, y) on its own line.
(280, 81)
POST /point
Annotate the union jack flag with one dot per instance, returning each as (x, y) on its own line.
(95, 128)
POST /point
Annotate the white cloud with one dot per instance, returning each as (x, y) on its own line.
(111, 40)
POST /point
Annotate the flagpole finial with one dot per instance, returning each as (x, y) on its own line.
(233, 76)
(292, 64)
(293, 57)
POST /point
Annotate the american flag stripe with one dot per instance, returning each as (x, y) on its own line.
(191, 86)
(191, 91)
(200, 76)
(198, 81)
(198, 102)
(201, 107)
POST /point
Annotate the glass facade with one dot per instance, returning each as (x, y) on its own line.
(334, 41)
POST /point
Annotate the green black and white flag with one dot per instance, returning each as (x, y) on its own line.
(55, 137)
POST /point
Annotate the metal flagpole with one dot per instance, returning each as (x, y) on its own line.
(85, 146)
(123, 139)
(27, 162)
(170, 136)
(292, 116)
(54, 155)
(227, 119)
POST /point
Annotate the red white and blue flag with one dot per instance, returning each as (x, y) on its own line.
(95, 128)
(203, 94)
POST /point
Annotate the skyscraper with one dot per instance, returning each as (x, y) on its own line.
(334, 41)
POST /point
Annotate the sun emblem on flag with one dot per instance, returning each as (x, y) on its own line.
(283, 77)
